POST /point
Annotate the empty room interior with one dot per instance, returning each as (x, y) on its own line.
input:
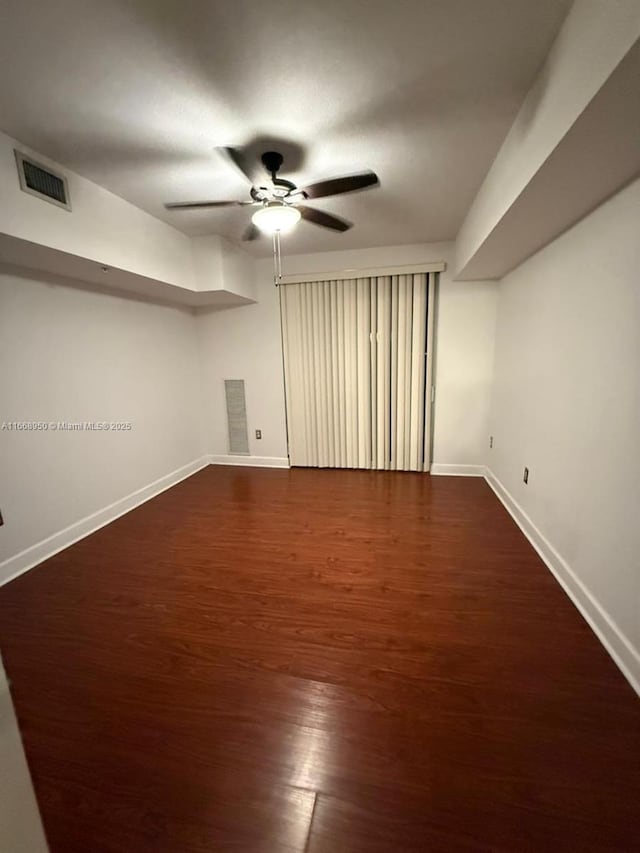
(319, 424)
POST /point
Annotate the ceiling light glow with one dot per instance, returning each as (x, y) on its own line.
(276, 217)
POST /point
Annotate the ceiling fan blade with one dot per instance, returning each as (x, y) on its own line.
(337, 186)
(193, 205)
(251, 171)
(320, 217)
(252, 233)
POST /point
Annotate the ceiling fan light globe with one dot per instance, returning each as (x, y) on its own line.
(276, 217)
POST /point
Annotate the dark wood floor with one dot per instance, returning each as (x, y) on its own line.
(319, 661)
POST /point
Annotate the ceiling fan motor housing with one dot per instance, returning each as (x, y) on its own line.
(272, 161)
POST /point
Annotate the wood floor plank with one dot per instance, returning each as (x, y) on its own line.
(335, 661)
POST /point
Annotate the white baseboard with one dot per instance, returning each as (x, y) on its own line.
(251, 461)
(443, 469)
(624, 654)
(35, 554)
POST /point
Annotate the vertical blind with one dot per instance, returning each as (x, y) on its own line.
(356, 372)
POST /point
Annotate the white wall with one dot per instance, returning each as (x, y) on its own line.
(99, 226)
(72, 354)
(465, 334)
(244, 343)
(217, 265)
(566, 403)
(593, 40)
(20, 825)
(143, 255)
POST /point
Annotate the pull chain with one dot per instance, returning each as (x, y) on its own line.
(277, 259)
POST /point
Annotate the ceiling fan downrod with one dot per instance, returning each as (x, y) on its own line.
(272, 161)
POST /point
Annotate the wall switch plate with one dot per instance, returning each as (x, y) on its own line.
(258, 433)
(490, 441)
(525, 476)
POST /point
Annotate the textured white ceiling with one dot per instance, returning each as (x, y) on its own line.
(135, 95)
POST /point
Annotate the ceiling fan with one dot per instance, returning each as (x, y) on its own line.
(280, 202)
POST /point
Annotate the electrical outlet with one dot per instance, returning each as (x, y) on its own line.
(525, 476)
(258, 433)
(490, 441)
